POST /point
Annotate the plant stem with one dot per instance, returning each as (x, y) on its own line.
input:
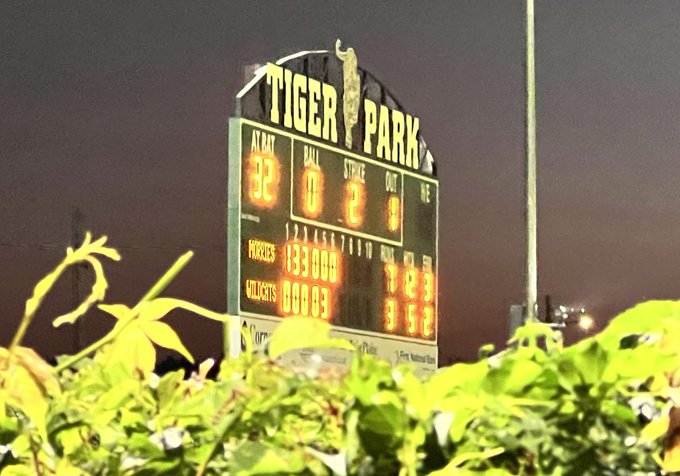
(167, 278)
(155, 290)
(28, 317)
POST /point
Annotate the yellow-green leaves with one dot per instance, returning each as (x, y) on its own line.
(303, 333)
(531, 334)
(537, 407)
(453, 468)
(136, 335)
(87, 253)
(138, 329)
(159, 307)
(26, 381)
(655, 429)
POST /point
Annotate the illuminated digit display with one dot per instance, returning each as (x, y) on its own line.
(333, 235)
(263, 179)
(410, 282)
(312, 191)
(393, 213)
(354, 203)
(390, 314)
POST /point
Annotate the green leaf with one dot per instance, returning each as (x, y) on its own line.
(162, 334)
(295, 333)
(640, 362)
(335, 462)
(133, 349)
(644, 318)
(512, 376)
(159, 307)
(466, 377)
(531, 333)
(384, 419)
(585, 362)
(461, 420)
(655, 429)
(119, 311)
(168, 387)
(452, 468)
(252, 457)
(26, 382)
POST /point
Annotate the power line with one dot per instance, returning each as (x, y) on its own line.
(53, 246)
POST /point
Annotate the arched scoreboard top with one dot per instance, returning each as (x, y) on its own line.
(333, 68)
(333, 208)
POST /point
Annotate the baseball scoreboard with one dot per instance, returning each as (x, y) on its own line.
(330, 227)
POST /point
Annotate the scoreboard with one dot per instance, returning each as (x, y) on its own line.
(333, 235)
(321, 229)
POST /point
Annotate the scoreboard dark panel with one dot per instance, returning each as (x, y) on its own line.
(333, 235)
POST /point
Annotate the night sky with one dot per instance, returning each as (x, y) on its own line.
(121, 109)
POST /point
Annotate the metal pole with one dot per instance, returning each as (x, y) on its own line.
(76, 241)
(531, 256)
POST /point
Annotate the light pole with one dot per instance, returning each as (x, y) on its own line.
(531, 273)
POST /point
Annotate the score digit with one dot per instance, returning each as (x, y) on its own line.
(354, 203)
(428, 321)
(391, 277)
(312, 180)
(390, 314)
(428, 286)
(410, 283)
(393, 213)
(411, 325)
(263, 177)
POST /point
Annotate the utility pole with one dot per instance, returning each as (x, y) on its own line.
(531, 285)
(76, 241)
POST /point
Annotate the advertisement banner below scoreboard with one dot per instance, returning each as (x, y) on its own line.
(423, 357)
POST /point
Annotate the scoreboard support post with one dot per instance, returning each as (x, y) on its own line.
(232, 340)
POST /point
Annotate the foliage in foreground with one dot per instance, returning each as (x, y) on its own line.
(598, 407)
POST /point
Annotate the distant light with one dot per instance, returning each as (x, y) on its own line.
(586, 322)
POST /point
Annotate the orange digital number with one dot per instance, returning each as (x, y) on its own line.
(333, 267)
(428, 321)
(285, 297)
(411, 324)
(325, 303)
(410, 283)
(296, 259)
(390, 314)
(393, 213)
(316, 305)
(316, 258)
(312, 178)
(428, 286)
(324, 265)
(354, 203)
(391, 275)
(263, 179)
(304, 299)
(310, 273)
(305, 261)
(295, 301)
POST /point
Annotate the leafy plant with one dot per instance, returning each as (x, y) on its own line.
(602, 406)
